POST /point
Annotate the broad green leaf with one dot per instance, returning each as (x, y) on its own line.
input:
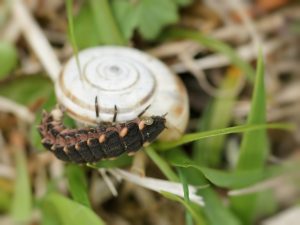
(209, 151)
(8, 58)
(219, 178)
(78, 184)
(254, 148)
(189, 206)
(26, 89)
(147, 16)
(70, 212)
(214, 45)
(127, 15)
(229, 130)
(96, 25)
(21, 205)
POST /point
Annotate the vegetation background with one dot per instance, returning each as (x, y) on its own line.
(240, 63)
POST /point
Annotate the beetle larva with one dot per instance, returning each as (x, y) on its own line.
(107, 140)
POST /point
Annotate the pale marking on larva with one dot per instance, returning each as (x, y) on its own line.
(131, 154)
(146, 144)
(77, 147)
(141, 125)
(123, 132)
(102, 138)
(66, 150)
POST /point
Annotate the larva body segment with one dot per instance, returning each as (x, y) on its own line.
(107, 140)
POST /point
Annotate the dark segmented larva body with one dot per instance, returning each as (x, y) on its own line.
(85, 145)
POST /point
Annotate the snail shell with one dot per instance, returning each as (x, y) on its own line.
(126, 78)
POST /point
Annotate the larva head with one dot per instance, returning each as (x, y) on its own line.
(152, 127)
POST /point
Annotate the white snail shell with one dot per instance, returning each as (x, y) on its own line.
(126, 78)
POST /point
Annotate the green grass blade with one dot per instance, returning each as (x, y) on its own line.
(254, 148)
(162, 164)
(218, 115)
(78, 184)
(72, 33)
(230, 130)
(189, 206)
(21, 205)
(70, 212)
(188, 216)
(214, 45)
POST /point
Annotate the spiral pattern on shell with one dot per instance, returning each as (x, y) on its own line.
(123, 77)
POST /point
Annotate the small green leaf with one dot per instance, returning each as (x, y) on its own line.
(127, 16)
(26, 89)
(21, 205)
(78, 184)
(95, 25)
(70, 212)
(8, 58)
(154, 15)
(148, 16)
(189, 206)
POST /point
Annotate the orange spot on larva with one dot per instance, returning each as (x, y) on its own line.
(123, 132)
(141, 125)
(102, 138)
